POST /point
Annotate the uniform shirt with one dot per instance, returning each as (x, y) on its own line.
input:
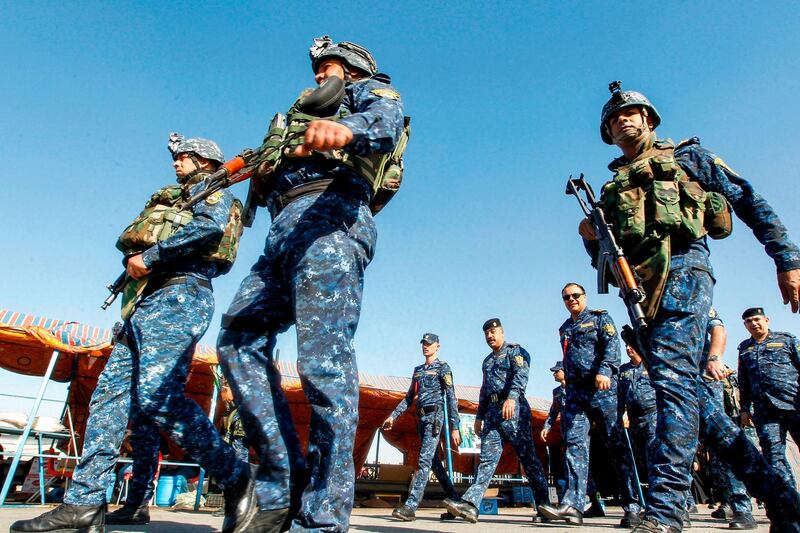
(635, 392)
(591, 347)
(711, 172)
(181, 253)
(429, 385)
(714, 321)
(505, 375)
(768, 373)
(559, 401)
(374, 113)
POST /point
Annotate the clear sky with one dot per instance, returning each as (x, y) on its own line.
(505, 99)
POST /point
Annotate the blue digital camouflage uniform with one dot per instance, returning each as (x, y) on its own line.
(730, 487)
(637, 397)
(505, 376)
(310, 275)
(147, 370)
(591, 347)
(768, 381)
(429, 385)
(676, 337)
(556, 408)
(145, 441)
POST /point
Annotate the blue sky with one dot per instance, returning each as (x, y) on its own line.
(504, 99)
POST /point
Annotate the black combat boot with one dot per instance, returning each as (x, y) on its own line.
(271, 521)
(240, 503)
(564, 512)
(447, 515)
(742, 521)
(404, 513)
(630, 520)
(539, 518)
(465, 510)
(722, 512)
(65, 519)
(651, 526)
(129, 516)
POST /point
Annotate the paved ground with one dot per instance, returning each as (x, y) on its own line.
(379, 520)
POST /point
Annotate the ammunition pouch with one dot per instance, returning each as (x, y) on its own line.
(162, 217)
(651, 202)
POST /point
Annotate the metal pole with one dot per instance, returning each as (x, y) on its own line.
(635, 470)
(27, 431)
(212, 410)
(447, 440)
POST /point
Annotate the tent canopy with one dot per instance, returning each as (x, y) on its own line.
(27, 342)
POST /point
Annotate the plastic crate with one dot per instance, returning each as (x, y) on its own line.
(521, 495)
(488, 506)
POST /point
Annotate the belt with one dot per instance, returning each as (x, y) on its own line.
(313, 187)
(427, 409)
(497, 398)
(154, 285)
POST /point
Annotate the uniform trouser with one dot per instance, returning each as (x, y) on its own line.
(733, 447)
(731, 488)
(311, 275)
(772, 426)
(429, 458)
(146, 376)
(145, 443)
(517, 432)
(586, 405)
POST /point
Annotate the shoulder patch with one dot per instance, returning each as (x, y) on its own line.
(384, 92)
(609, 328)
(720, 163)
(214, 198)
(448, 379)
(519, 360)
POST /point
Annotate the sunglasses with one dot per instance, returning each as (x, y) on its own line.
(573, 296)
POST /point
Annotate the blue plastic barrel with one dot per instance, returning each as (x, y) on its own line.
(169, 486)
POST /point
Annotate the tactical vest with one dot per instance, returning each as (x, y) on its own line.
(162, 217)
(651, 203)
(653, 197)
(384, 172)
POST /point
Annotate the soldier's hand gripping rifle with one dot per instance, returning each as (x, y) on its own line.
(611, 259)
(323, 101)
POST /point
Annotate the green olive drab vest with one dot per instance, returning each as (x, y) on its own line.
(384, 172)
(651, 203)
(162, 217)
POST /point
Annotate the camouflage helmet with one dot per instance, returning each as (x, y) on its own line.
(205, 148)
(620, 100)
(351, 54)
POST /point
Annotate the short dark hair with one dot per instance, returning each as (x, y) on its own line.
(574, 284)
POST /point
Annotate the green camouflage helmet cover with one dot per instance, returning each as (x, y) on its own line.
(620, 100)
(351, 54)
(205, 148)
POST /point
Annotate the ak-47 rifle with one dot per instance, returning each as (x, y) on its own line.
(612, 259)
(323, 101)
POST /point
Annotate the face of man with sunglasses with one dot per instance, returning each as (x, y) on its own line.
(574, 300)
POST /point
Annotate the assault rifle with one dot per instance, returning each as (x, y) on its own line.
(323, 101)
(611, 259)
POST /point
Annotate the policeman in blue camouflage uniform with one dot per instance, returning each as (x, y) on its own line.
(559, 398)
(591, 360)
(503, 416)
(668, 249)
(637, 399)
(556, 409)
(311, 275)
(714, 373)
(431, 385)
(769, 371)
(147, 370)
